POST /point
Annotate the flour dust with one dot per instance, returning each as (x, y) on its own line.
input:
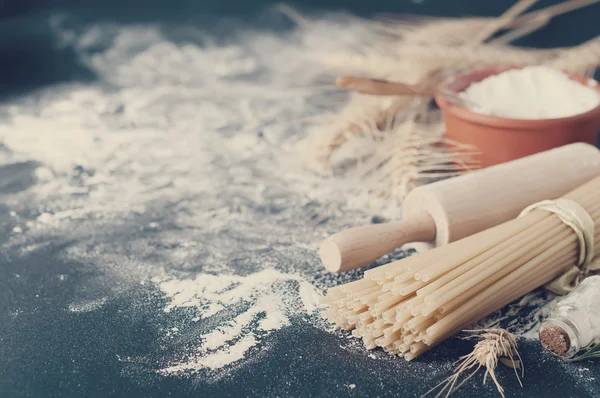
(165, 175)
(269, 299)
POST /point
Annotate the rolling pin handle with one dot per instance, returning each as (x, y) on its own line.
(356, 247)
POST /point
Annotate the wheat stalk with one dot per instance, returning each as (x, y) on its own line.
(503, 20)
(422, 50)
(493, 346)
(432, 74)
(444, 31)
(582, 59)
(413, 153)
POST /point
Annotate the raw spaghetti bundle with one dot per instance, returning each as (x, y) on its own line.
(409, 306)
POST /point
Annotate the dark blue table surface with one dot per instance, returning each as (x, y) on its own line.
(46, 351)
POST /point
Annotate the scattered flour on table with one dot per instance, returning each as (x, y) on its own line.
(87, 306)
(268, 298)
(534, 92)
(146, 172)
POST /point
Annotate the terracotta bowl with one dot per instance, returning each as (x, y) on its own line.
(501, 139)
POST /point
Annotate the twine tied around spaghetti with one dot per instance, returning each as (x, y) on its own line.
(575, 216)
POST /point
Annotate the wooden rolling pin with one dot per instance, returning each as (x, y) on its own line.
(448, 210)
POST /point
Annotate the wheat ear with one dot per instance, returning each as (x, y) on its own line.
(493, 346)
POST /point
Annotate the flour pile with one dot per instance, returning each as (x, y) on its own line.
(534, 92)
(266, 303)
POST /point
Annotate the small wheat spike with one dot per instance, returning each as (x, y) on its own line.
(493, 345)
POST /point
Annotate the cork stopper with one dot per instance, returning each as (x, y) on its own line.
(555, 339)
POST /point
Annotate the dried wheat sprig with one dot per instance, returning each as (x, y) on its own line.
(383, 121)
(413, 154)
(416, 153)
(498, 23)
(375, 126)
(550, 12)
(413, 51)
(407, 62)
(456, 31)
(578, 59)
(361, 114)
(468, 57)
(452, 31)
(444, 31)
(534, 24)
(419, 55)
(292, 14)
(493, 346)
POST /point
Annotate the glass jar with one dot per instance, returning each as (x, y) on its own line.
(575, 321)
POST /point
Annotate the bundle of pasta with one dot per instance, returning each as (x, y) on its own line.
(408, 306)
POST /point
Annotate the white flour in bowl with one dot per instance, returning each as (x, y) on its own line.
(534, 92)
